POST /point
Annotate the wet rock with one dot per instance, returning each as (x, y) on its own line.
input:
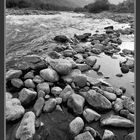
(118, 105)
(13, 110)
(119, 75)
(97, 100)
(80, 80)
(49, 105)
(41, 93)
(83, 67)
(129, 104)
(84, 136)
(26, 96)
(124, 68)
(56, 91)
(11, 74)
(61, 39)
(130, 136)
(76, 126)
(96, 67)
(37, 79)
(108, 135)
(117, 121)
(67, 91)
(26, 129)
(49, 75)
(76, 102)
(38, 106)
(29, 75)
(91, 115)
(18, 83)
(29, 83)
(130, 63)
(91, 60)
(44, 87)
(110, 96)
(62, 66)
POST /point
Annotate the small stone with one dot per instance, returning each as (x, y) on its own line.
(108, 135)
(110, 96)
(83, 67)
(130, 136)
(84, 136)
(29, 75)
(118, 105)
(8, 96)
(26, 96)
(47, 97)
(91, 130)
(56, 91)
(124, 113)
(76, 125)
(29, 83)
(76, 102)
(41, 93)
(37, 79)
(118, 92)
(38, 106)
(49, 75)
(91, 115)
(96, 67)
(18, 83)
(119, 75)
(49, 105)
(91, 60)
(44, 87)
(58, 100)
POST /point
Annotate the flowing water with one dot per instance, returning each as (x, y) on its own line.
(26, 32)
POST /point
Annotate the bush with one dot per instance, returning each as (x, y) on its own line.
(98, 6)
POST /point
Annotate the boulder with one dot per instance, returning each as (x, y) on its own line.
(56, 91)
(44, 87)
(29, 83)
(117, 121)
(108, 135)
(91, 115)
(76, 126)
(26, 129)
(13, 110)
(84, 136)
(67, 91)
(49, 75)
(38, 106)
(97, 100)
(49, 105)
(26, 96)
(13, 74)
(76, 102)
(16, 82)
(91, 60)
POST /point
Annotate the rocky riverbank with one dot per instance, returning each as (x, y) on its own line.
(42, 89)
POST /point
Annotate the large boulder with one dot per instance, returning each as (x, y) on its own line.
(49, 105)
(84, 136)
(44, 87)
(76, 126)
(61, 66)
(13, 74)
(26, 96)
(26, 129)
(38, 106)
(67, 91)
(97, 100)
(117, 121)
(49, 75)
(13, 110)
(108, 135)
(76, 102)
(91, 115)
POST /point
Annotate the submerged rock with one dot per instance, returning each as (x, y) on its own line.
(13, 110)
(76, 102)
(76, 126)
(117, 121)
(26, 129)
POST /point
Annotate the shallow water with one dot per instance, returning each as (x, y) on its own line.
(26, 32)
